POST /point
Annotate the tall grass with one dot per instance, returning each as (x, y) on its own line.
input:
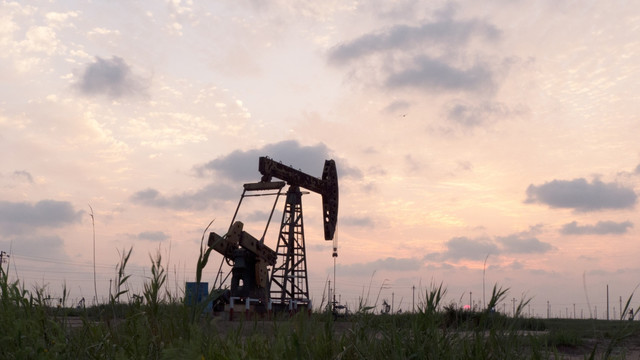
(158, 325)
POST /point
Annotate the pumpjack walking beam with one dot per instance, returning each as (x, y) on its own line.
(327, 187)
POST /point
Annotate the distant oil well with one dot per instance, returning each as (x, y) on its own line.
(262, 279)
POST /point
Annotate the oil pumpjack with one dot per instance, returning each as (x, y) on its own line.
(287, 287)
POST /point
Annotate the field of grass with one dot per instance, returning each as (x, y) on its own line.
(159, 325)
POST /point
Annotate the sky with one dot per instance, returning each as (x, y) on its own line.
(477, 143)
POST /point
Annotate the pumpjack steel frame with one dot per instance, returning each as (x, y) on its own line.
(288, 285)
(289, 281)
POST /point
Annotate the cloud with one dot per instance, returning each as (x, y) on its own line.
(153, 236)
(50, 247)
(477, 249)
(437, 75)
(411, 164)
(40, 39)
(242, 166)
(230, 171)
(386, 264)
(608, 273)
(110, 77)
(587, 258)
(516, 265)
(522, 244)
(19, 217)
(472, 115)
(637, 170)
(397, 106)
(56, 18)
(600, 228)
(262, 216)
(427, 56)
(446, 32)
(196, 200)
(357, 221)
(21, 174)
(464, 248)
(581, 196)
(445, 266)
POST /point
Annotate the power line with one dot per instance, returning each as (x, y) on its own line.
(56, 261)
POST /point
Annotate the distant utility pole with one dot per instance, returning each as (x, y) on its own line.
(607, 301)
(93, 226)
(548, 309)
(392, 296)
(621, 308)
(514, 306)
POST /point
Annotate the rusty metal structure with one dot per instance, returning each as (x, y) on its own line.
(250, 259)
(287, 286)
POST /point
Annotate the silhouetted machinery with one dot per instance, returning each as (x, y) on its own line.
(250, 258)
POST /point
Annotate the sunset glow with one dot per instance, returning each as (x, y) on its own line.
(460, 130)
